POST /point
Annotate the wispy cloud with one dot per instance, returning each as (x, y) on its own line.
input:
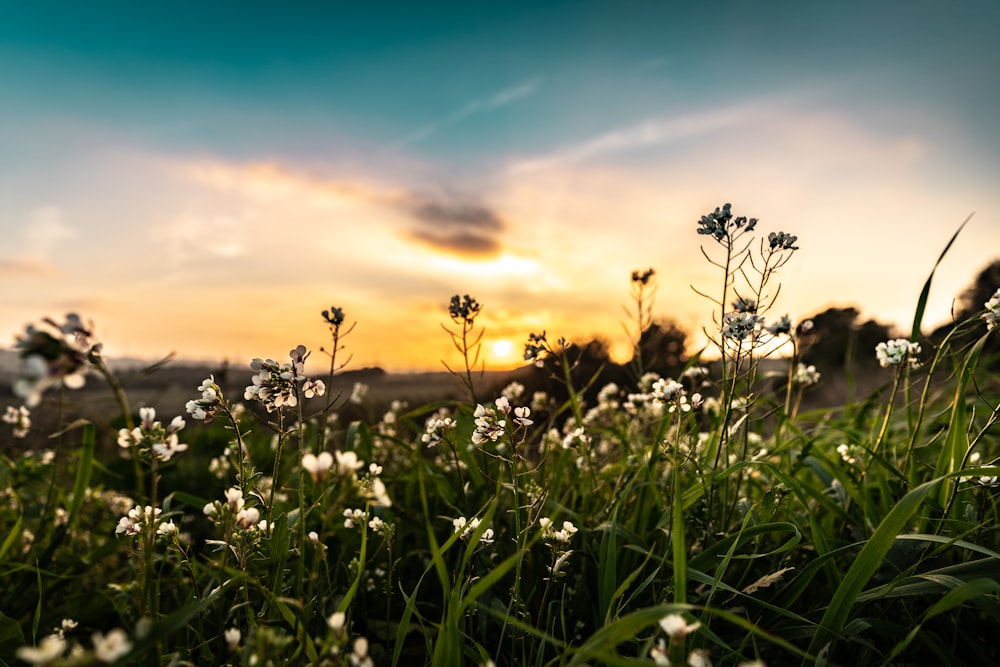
(495, 101)
(658, 130)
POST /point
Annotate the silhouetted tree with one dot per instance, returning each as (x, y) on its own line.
(663, 348)
(836, 341)
(968, 304)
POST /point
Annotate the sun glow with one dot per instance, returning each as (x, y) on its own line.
(502, 348)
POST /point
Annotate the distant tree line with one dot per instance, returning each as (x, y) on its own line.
(839, 342)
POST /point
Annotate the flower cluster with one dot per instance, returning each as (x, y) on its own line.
(720, 223)
(468, 526)
(151, 436)
(20, 420)
(435, 426)
(558, 539)
(491, 423)
(463, 310)
(277, 386)
(334, 317)
(898, 351)
(56, 354)
(806, 376)
(672, 393)
(234, 507)
(992, 314)
(677, 629)
(643, 277)
(782, 241)
(138, 517)
(536, 348)
(739, 325)
(203, 409)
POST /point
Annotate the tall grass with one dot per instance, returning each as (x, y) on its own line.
(698, 519)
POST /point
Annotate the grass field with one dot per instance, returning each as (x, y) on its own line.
(279, 514)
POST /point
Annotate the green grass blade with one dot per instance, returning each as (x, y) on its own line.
(84, 467)
(918, 315)
(865, 565)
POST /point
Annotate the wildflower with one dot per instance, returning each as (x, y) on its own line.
(277, 386)
(738, 326)
(676, 627)
(112, 646)
(699, 658)
(232, 637)
(248, 517)
(203, 409)
(359, 655)
(311, 388)
(58, 354)
(782, 241)
(317, 465)
(992, 314)
(805, 376)
(513, 391)
(234, 498)
(358, 393)
(378, 493)
(660, 653)
(138, 517)
(782, 326)
(463, 310)
(354, 517)
(521, 416)
(644, 277)
(336, 621)
(151, 436)
(468, 527)
(720, 223)
(895, 352)
(48, 650)
(19, 418)
(575, 438)
(744, 305)
(334, 316)
(488, 424)
(434, 426)
(348, 462)
(536, 348)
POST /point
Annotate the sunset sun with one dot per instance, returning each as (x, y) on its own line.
(502, 348)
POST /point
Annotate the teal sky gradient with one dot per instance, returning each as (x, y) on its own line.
(236, 165)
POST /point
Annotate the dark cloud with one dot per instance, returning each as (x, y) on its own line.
(457, 227)
(459, 243)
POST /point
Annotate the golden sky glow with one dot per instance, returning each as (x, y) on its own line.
(220, 225)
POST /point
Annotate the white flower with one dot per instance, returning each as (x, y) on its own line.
(699, 658)
(112, 646)
(232, 637)
(48, 650)
(806, 375)
(348, 462)
(359, 393)
(992, 314)
(234, 498)
(521, 416)
(317, 465)
(336, 621)
(895, 352)
(676, 627)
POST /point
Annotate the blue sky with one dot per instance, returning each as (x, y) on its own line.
(207, 177)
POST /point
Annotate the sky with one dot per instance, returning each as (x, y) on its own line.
(206, 178)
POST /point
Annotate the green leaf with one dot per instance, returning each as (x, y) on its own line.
(918, 315)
